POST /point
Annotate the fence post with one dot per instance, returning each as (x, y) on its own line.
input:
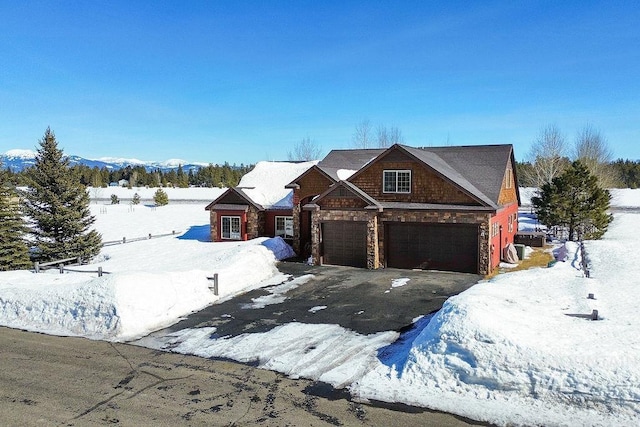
(215, 284)
(99, 271)
(36, 266)
(124, 240)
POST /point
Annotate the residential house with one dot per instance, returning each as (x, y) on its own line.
(259, 206)
(444, 208)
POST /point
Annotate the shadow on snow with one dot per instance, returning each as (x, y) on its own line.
(396, 354)
(197, 232)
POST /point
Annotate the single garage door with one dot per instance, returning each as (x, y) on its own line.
(447, 247)
(344, 243)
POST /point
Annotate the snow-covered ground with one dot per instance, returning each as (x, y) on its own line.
(515, 350)
(125, 194)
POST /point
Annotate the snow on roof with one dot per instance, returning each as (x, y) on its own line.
(265, 184)
(344, 174)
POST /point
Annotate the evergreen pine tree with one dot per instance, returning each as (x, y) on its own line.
(136, 199)
(182, 179)
(14, 251)
(160, 197)
(576, 201)
(58, 206)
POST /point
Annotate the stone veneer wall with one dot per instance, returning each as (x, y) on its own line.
(213, 221)
(253, 223)
(295, 244)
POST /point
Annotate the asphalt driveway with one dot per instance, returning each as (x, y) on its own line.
(358, 299)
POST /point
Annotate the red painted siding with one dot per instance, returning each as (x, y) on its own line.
(270, 220)
(507, 234)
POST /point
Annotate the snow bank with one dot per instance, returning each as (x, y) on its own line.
(130, 302)
(150, 283)
(281, 250)
(58, 304)
(521, 350)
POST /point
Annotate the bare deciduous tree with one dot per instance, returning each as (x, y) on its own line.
(383, 136)
(389, 136)
(305, 150)
(592, 149)
(548, 156)
(363, 135)
(394, 135)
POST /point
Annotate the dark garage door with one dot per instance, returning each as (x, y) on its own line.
(344, 243)
(447, 247)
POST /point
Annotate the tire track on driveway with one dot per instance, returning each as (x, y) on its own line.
(48, 380)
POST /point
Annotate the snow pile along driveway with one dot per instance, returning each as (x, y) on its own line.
(150, 286)
(519, 349)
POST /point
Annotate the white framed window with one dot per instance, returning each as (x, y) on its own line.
(511, 223)
(284, 227)
(396, 181)
(230, 227)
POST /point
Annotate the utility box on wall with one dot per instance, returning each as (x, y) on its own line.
(533, 238)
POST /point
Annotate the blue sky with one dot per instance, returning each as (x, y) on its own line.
(216, 81)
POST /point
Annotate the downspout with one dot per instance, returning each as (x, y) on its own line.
(500, 244)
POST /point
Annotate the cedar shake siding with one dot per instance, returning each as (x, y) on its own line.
(426, 186)
(312, 183)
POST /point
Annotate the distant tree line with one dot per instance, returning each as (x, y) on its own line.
(626, 173)
(550, 155)
(225, 175)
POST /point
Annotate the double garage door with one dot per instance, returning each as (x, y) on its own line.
(447, 247)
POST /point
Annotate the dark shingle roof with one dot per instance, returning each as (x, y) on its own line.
(482, 165)
(347, 160)
(476, 169)
(445, 169)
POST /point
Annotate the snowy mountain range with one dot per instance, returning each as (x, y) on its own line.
(18, 160)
